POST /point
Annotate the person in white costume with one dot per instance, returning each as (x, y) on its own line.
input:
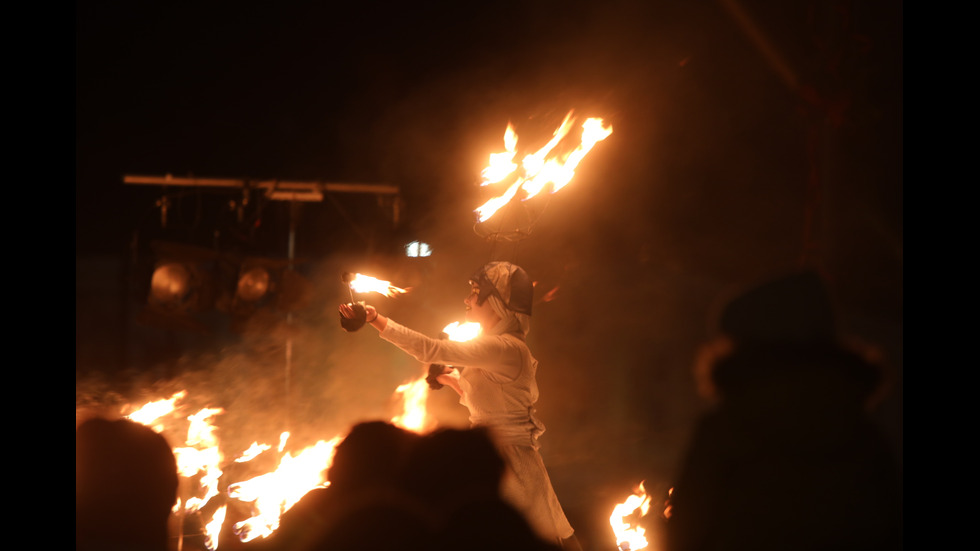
(495, 377)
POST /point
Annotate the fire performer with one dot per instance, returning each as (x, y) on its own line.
(494, 375)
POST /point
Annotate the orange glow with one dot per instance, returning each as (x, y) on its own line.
(502, 164)
(628, 534)
(274, 493)
(201, 455)
(148, 413)
(461, 332)
(252, 452)
(364, 284)
(414, 395)
(541, 168)
(213, 529)
(414, 416)
(268, 495)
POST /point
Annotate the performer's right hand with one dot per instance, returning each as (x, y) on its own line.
(371, 313)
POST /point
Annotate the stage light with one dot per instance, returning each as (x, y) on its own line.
(268, 282)
(417, 249)
(170, 285)
(253, 284)
(184, 278)
(191, 287)
(183, 285)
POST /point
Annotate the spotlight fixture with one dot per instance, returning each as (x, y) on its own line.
(184, 283)
(265, 282)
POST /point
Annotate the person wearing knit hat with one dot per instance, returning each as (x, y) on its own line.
(495, 377)
(787, 456)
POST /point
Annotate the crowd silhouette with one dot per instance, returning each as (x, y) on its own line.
(788, 456)
(394, 489)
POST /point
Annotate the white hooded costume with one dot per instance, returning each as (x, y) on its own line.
(498, 387)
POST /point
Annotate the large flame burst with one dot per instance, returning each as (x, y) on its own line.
(549, 165)
(200, 460)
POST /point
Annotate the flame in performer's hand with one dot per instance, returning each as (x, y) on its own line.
(540, 168)
(364, 284)
(461, 332)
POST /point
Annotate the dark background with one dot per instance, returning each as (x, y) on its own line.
(750, 136)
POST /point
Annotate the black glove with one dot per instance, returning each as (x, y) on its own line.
(434, 371)
(356, 322)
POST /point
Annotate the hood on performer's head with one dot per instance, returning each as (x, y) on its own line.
(510, 292)
(508, 282)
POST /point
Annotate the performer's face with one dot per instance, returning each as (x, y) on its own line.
(475, 312)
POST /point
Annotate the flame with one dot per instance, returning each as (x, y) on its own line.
(461, 332)
(502, 164)
(540, 168)
(201, 455)
(363, 284)
(414, 416)
(274, 493)
(630, 536)
(213, 529)
(152, 411)
(201, 432)
(271, 494)
(252, 452)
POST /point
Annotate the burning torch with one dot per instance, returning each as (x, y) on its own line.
(360, 314)
(551, 168)
(455, 331)
(362, 284)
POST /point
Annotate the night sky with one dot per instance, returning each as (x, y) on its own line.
(750, 136)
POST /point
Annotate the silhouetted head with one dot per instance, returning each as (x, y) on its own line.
(372, 454)
(792, 310)
(783, 326)
(125, 485)
(452, 466)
